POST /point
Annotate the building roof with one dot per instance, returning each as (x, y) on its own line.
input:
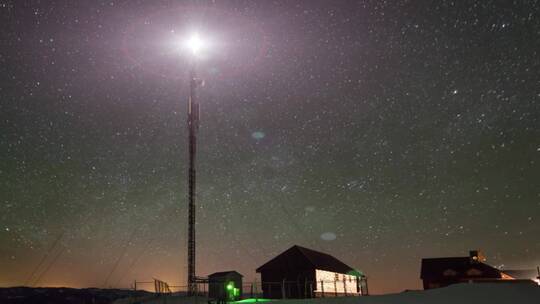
(315, 259)
(521, 273)
(459, 267)
(224, 273)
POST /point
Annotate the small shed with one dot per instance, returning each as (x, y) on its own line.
(225, 285)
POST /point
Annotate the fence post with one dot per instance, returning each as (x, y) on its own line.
(335, 287)
(322, 289)
(283, 295)
(367, 290)
(288, 289)
(135, 285)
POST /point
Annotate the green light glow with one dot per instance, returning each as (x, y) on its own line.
(254, 301)
(233, 293)
(356, 273)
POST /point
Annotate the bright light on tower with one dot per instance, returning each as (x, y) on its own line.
(195, 44)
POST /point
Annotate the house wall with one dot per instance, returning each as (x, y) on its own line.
(337, 283)
(294, 283)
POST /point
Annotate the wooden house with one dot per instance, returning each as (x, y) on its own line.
(300, 272)
(441, 272)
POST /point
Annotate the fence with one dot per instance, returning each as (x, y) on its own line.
(276, 290)
(312, 289)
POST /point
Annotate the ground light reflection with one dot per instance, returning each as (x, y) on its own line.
(252, 300)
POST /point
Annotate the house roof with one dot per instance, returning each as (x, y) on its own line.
(522, 273)
(459, 267)
(315, 259)
(224, 273)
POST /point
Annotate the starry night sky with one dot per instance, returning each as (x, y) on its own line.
(380, 132)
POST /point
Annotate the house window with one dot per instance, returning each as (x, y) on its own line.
(473, 272)
(449, 273)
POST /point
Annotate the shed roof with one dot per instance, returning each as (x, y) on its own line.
(225, 273)
(315, 259)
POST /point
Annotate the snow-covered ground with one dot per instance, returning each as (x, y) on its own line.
(456, 294)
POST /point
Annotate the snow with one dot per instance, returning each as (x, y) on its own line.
(487, 293)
